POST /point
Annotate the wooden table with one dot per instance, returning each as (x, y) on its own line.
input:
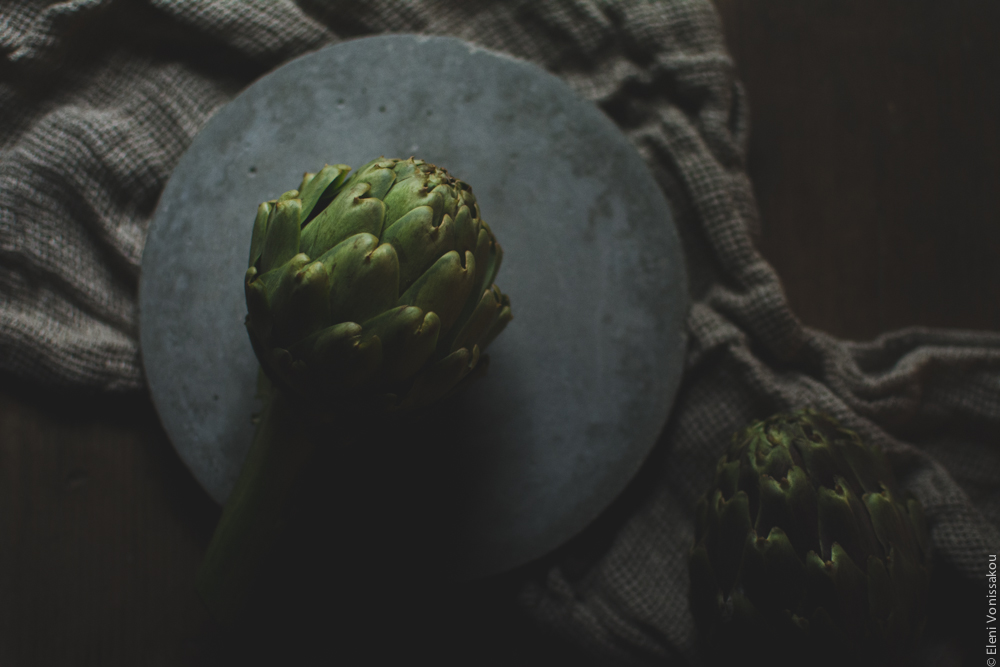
(875, 156)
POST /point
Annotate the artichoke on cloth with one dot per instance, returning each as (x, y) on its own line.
(367, 295)
(807, 548)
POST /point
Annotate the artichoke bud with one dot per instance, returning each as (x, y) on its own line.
(374, 289)
(806, 532)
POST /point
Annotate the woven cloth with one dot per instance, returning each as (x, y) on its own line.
(99, 98)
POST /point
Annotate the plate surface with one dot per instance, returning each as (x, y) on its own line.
(581, 382)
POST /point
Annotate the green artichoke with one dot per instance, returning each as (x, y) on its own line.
(807, 548)
(366, 296)
(376, 291)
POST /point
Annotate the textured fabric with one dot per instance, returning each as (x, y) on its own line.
(99, 98)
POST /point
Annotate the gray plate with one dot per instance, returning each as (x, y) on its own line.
(580, 383)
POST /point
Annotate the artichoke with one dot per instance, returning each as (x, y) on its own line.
(807, 548)
(373, 292)
(366, 296)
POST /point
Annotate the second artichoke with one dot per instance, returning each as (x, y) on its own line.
(807, 549)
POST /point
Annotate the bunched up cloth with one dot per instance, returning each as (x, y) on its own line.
(99, 98)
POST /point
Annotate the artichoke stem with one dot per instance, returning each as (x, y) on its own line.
(253, 517)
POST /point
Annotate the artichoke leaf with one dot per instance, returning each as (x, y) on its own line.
(773, 576)
(467, 232)
(773, 508)
(818, 459)
(411, 193)
(868, 463)
(337, 358)
(445, 190)
(844, 519)
(379, 178)
(409, 336)
(351, 212)
(786, 574)
(419, 243)
(494, 255)
(443, 288)
(820, 590)
(791, 503)
(727, 476)
(505, 317)
(306, 177)
(330, 177)
(364, 278)
(259, 232)
(776, 462)
(880, 594)
(441, 377)
(727, 546)
(889, 523)
(487, 311)
(259, 319)
(302, 306)
(281, 240)
(850, 585)
(377, 163)
(482, 254)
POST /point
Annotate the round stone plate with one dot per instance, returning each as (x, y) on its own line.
(581, 382)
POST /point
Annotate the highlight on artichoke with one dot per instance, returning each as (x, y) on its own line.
(367, 295)
(807, 549)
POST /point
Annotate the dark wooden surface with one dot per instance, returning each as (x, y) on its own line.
(875, 155)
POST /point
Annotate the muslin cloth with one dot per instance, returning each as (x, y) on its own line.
(99, 98)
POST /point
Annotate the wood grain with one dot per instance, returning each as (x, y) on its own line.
(101, 530)
(875, 157)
